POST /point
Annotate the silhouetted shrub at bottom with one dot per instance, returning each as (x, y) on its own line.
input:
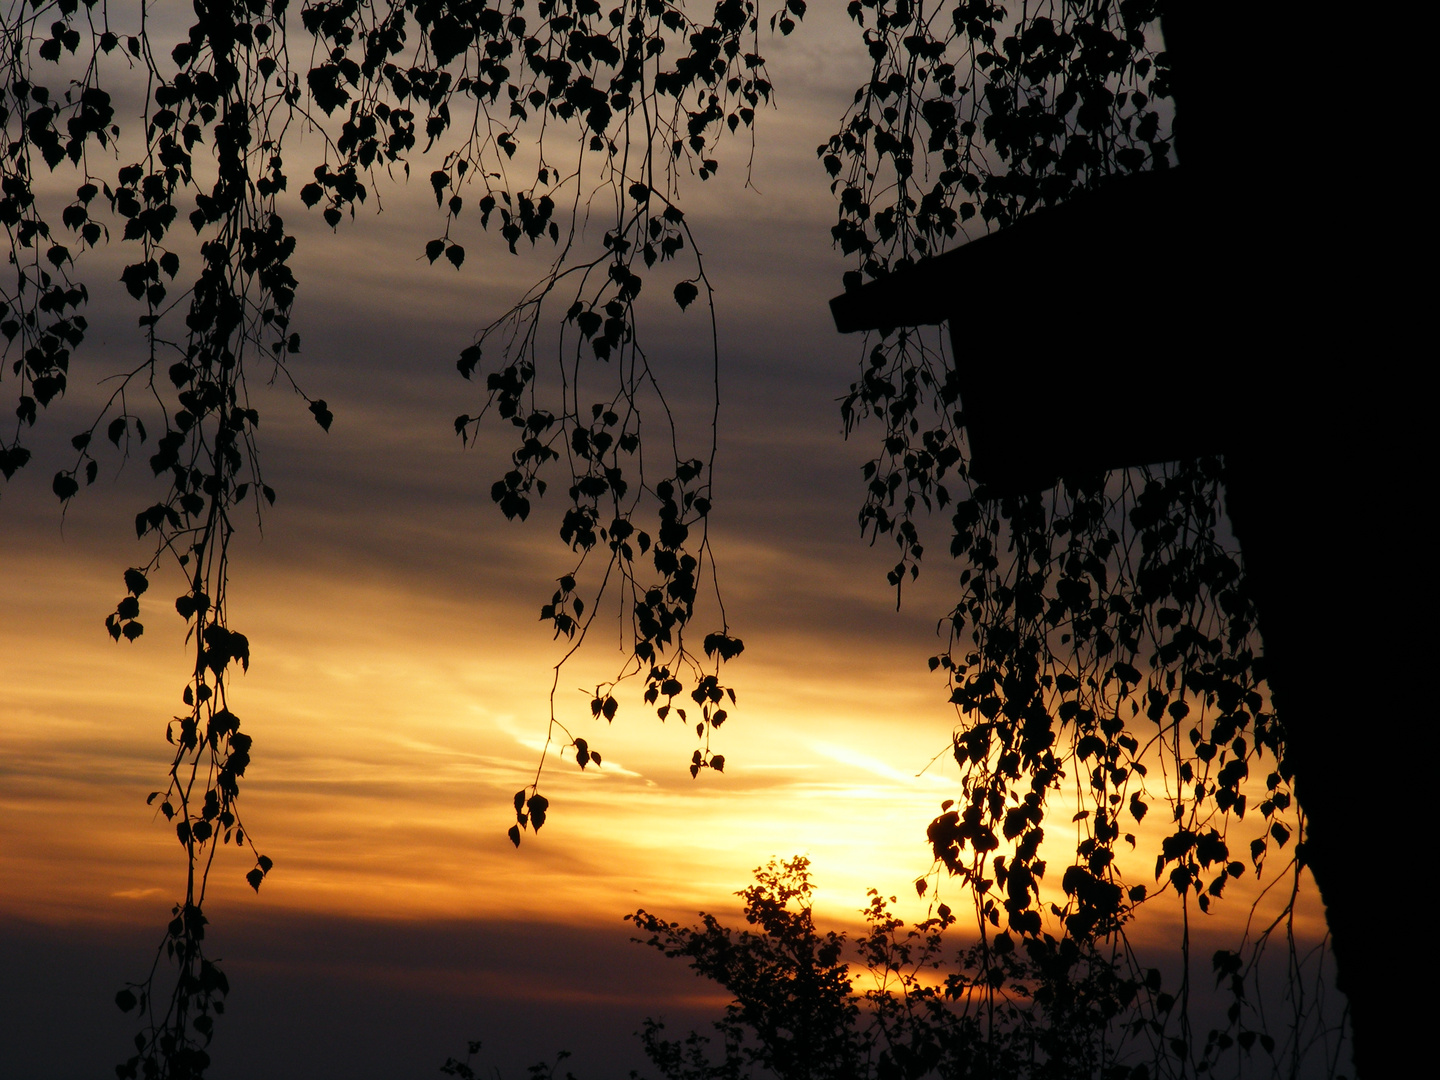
(466, 1070)
(995, 1006)
(995, 1009)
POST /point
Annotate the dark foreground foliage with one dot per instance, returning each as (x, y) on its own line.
(1103, 633)
(906, 1002)
(925, 1005)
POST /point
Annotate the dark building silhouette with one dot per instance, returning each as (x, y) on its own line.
(1214, 308)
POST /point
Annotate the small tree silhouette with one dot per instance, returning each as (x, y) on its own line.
(998, 1009)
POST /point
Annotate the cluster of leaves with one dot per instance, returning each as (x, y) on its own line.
(40, 302)
(1104, 633)
(211, 755)
(650, 88)
(998, 1008)
(790, 984)
(466, 1070)
(174, 1038)
(1001, 1006)
(213, 99)
(643, 90)
(973, 117)
(1105, 643)
(975, 112)
(1095, 582)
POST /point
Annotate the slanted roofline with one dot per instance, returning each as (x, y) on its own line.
(1101, 231)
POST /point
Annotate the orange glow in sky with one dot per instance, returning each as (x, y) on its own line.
(399, 685)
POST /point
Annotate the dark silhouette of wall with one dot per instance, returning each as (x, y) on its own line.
(1210, 309)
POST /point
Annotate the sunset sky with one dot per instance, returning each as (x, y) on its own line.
(398, 690)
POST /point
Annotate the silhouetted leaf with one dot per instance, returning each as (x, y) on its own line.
(322, 415)
(64, 486)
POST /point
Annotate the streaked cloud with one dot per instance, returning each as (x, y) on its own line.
(400, 684)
